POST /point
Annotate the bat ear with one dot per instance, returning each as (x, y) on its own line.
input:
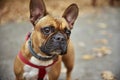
(71, 14)
(37, 10)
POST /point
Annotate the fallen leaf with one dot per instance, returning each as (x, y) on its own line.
(89, 21)
(87, 57)
(102, 51)
(81, 44)
(103, 32)
(102, 25)
(107, 75)
(101, 41)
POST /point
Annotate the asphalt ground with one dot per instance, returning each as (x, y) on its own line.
(92, 30)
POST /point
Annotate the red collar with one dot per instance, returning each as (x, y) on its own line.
(42, 70)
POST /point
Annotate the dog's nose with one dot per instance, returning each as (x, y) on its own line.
(59, 37)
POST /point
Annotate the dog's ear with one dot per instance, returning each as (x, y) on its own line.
(71, 14)
(37, 10)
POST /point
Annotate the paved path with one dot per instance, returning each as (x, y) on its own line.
(102, 24)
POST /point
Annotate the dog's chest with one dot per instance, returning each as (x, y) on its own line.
(31, 73)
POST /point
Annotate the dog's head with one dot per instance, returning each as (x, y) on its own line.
(51, 35)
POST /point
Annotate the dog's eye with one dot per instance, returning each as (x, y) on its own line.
(68, 32)
(48, 30)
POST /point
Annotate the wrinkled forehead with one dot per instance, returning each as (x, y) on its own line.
(59, 23)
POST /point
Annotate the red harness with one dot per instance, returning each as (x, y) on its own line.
(42, 69)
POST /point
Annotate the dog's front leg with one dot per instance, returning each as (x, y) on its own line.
(68, 61)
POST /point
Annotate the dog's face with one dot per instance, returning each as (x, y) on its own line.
(51, 35)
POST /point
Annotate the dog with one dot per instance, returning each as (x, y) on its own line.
(47, 45)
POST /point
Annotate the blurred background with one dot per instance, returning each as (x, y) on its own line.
(96, 36)
(18, 10)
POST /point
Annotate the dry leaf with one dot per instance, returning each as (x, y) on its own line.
(103, 32)
(90, 21)
(102, 25)
(102, 51)
(101, 41)
(107, 75)
(81, 44)
(87, 57)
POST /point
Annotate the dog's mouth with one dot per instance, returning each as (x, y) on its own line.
(51, 48)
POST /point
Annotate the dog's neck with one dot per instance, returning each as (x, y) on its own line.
(35, 60)
(40, 62)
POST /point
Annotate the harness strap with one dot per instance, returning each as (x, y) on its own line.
(42, 69)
